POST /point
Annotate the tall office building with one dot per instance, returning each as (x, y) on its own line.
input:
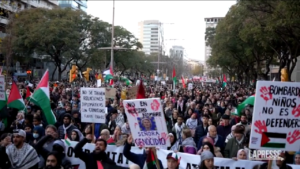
(74, 4)
(210, 23)
(150, 34)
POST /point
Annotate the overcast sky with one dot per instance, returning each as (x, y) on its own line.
(187, 18)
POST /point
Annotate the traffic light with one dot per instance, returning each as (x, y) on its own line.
(284, 75)
(73, 73)
(86, 74)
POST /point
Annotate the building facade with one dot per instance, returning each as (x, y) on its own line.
(210, 23)
(74, 4)
(150, 34)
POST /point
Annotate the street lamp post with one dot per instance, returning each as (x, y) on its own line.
(112, 37)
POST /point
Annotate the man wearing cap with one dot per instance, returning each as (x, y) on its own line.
(224, 129)
(173, 161)
(21, 155)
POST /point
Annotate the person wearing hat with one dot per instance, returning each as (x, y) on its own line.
(224, 129)
(207, 160)
(67, 127)
(112, 122)
(239, 141)
(20, 154)
(172, 161)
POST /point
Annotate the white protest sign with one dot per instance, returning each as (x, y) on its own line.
(99, 83)
(92, 105)
(188, 161)
(2, 88)
(190, 86)
(147, 122)
(275, 123)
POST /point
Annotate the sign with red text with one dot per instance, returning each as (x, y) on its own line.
(92, 105)
(276, 116)
(147, 122)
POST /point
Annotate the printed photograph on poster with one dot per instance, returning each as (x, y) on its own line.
(275, 123)
(147, 122)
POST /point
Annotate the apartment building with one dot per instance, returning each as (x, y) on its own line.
(74, 4)
(150, 34)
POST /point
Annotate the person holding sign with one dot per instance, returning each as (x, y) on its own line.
(138, 159)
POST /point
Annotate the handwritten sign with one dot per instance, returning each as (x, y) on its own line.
(276, 117)
(110, 93)
(2, 88)
(131, 94)
(147, 122)
(92, 105)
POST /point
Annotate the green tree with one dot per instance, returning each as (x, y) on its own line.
(197, 70)
(60, 34)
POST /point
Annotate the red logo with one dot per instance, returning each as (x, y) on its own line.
(155, 105)
(265, 93)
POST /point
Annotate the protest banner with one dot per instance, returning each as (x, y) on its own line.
(2, 88)
(188, 161)
(147, 122)
(190, 86)
(276, 116)
(131, 94)
(92, 105)
(110, 93)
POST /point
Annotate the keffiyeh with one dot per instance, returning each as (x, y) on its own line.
(23, 158)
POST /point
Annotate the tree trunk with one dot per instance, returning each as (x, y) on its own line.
(53, 73)
(59, 73)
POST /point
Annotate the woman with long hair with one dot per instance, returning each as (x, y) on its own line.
(207, 160)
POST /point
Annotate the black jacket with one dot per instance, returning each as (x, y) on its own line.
(89, 159)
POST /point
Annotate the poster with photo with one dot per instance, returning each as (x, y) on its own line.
(147, 122)
(276, 116)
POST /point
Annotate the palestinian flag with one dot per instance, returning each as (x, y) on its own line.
(41, 98)
(224, 81)
(111, 82)
(67, 140)
(15, 99)
(127, 81)
(111, 141)
(28, 93)
(174, 76)
(3, 110)
(183, 82)
(273, 140)
(151, 161)
(249, 101)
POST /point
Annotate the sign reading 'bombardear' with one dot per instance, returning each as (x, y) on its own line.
(276, 117)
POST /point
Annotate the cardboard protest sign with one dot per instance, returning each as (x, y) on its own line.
(131, 94)
(147, 122)
(276, 116)
(110, 93)
(92, 105)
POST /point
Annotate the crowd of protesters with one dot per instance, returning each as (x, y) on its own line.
(200, 121)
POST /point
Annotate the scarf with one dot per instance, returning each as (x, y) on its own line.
(22, 158)
(214, 139)
(66, 128)
(175, 146)
(192, 123)
(241, 141)
(178, 130)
